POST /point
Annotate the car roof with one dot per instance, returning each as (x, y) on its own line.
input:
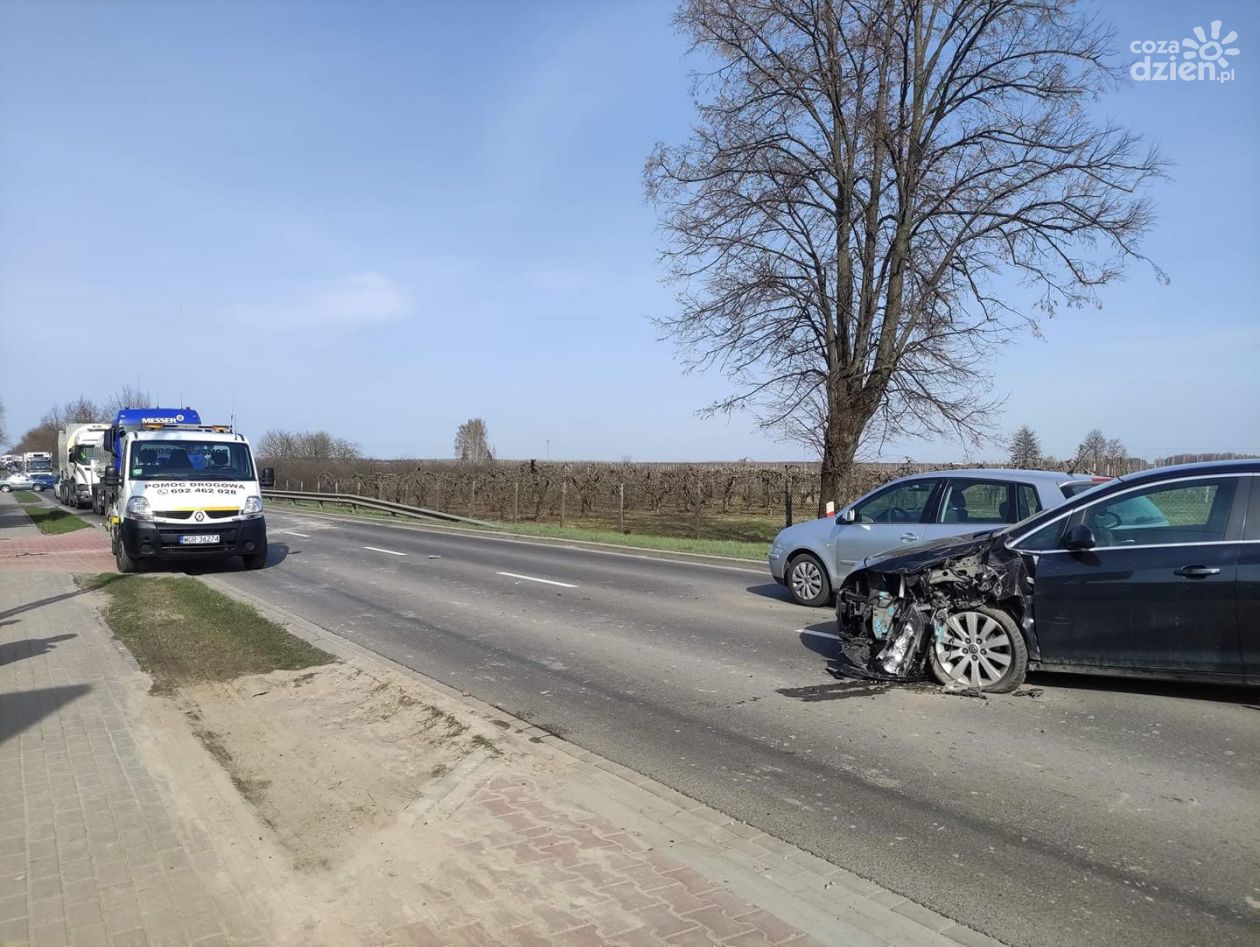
(1002, 473)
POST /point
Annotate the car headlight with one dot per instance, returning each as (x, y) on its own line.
(253, 506)
(138, 508)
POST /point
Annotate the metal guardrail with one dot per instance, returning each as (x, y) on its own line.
(355, 501)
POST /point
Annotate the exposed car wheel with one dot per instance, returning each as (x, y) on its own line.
(807, 581)
(255, 560)
(981, 648)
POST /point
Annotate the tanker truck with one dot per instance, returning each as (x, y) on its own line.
(79, 464)
(174, 488)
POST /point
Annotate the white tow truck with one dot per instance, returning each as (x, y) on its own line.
(174, 488)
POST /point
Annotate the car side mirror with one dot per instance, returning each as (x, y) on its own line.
(1080, 537)
(267, 478)
(110, 477)
(847, 516)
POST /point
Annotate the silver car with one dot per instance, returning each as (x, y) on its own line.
(20, 481)
(813, 558)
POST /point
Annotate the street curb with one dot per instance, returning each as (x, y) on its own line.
(832, 904)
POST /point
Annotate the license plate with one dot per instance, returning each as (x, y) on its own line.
(205, 539)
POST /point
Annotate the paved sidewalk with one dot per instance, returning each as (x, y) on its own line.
(90, 852)
(24, 548)
(14, 523)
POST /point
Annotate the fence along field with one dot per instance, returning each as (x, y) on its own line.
(743, 501)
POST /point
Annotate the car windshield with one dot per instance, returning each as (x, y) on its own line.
(190, 460)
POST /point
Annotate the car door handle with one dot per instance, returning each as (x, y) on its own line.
(1196, 572)
(908, 537)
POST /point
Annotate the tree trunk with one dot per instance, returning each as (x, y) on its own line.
(840, 444)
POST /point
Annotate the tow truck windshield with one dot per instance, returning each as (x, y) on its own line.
(190, 460)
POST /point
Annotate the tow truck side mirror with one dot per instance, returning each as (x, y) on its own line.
(110, 478)
(267, 478)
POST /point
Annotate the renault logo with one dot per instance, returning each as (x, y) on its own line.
(199, 516)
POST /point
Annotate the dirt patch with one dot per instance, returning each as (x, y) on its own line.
(329, 758)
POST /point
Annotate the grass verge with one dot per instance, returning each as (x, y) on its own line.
(26, 496)
(732, 548)
(183, 632)
(53, 520)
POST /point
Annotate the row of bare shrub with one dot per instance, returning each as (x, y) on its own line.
(536, 490)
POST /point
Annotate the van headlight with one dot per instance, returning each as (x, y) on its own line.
(253, 506)
(138, 509)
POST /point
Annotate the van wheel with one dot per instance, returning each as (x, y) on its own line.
(981, 648)
(255, 560)
(126, 564)
(807, 581)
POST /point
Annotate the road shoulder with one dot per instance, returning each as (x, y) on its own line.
(662, 838)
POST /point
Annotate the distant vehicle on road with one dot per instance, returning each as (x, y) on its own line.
(20, 481)
(813, 558)
(1153, 574)
(47, 481)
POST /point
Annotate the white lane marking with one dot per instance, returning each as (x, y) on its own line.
(818, 634)
(530, 578)
(293, 532)
(386, 551)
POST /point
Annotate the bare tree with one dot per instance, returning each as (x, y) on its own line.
(1091, 454)
(83, 409)
(4, 432)
(127, 397)
(1025, 449)
(279, 444)
(471, 444)
(861, 172)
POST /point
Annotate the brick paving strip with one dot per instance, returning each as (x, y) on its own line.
(23, 548)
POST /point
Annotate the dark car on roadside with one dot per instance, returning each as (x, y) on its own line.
(1153, 574)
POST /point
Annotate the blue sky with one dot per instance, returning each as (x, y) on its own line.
(382, 219)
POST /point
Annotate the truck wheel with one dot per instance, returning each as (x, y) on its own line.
(981, 648)
(256, 560)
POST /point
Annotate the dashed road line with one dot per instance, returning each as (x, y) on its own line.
(530, 578)
(293, 532)
(389, 552)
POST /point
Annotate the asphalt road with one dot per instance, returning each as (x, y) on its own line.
(1100, 812)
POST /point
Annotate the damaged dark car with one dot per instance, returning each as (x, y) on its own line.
(1153, 574)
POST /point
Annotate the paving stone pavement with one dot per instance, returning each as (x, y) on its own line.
(90, 852)
(23, 548)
